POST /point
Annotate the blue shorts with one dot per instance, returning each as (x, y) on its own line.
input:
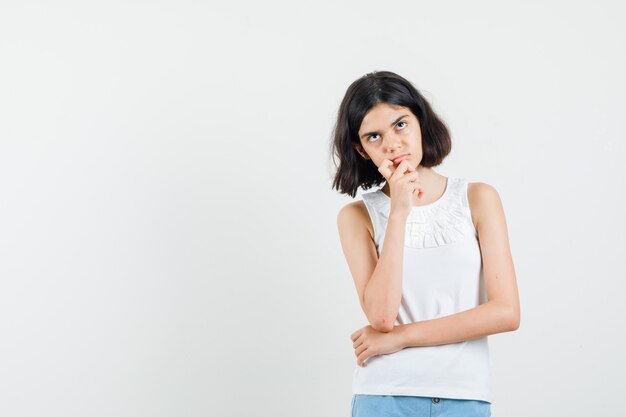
(364, 405)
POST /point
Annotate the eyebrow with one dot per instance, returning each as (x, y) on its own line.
(391, 125)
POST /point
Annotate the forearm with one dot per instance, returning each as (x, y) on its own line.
(383, 293)
(483, 320)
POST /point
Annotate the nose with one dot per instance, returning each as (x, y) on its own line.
(393, 143)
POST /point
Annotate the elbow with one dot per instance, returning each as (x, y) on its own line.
(382, 321)
(382, 325)
(508, 317)
(514, 320)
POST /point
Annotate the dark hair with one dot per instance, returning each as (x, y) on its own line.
(373, 88)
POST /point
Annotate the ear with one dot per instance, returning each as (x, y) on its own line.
(360, 150)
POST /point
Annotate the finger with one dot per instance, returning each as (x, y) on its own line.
(362, 348)
(409, 166)
(403, 167)
(413, 176)
(419, 189)
(362, 357)
(385, 169)
(406, 166)
(357, 343)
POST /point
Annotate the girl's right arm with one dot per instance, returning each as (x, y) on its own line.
(378, 281)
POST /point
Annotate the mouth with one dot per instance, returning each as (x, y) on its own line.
(400, 158)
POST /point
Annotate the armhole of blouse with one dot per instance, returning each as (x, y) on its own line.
(368, 201)
(467, 205)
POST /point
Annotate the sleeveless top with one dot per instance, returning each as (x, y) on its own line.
(442, 275)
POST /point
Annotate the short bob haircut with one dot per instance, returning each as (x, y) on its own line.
(376, 87)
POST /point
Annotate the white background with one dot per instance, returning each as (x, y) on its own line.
(168, 234)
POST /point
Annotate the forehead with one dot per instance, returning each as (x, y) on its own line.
(379, 116)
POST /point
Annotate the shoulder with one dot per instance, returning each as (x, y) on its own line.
(484, 201)
(354, 215)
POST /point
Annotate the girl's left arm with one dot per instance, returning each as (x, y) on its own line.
(501, 313)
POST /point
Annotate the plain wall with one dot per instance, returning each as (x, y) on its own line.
(168, 234)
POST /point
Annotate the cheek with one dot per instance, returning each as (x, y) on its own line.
(416, 136)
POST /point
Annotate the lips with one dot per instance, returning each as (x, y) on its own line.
(400, 158)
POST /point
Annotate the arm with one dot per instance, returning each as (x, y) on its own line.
(488, 318)
(502, 312)
(383, 293)
(378, 281)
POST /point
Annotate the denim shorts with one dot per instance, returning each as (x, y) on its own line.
(364, 405)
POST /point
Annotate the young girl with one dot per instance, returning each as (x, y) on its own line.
(429, 256)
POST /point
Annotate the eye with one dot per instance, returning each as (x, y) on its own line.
(397, 124)
(369, 138)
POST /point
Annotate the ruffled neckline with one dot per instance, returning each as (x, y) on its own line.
(439, 223)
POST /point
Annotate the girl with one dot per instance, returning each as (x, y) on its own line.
(429, 256)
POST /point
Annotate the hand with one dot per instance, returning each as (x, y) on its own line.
(368, 342)
(403, 182)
